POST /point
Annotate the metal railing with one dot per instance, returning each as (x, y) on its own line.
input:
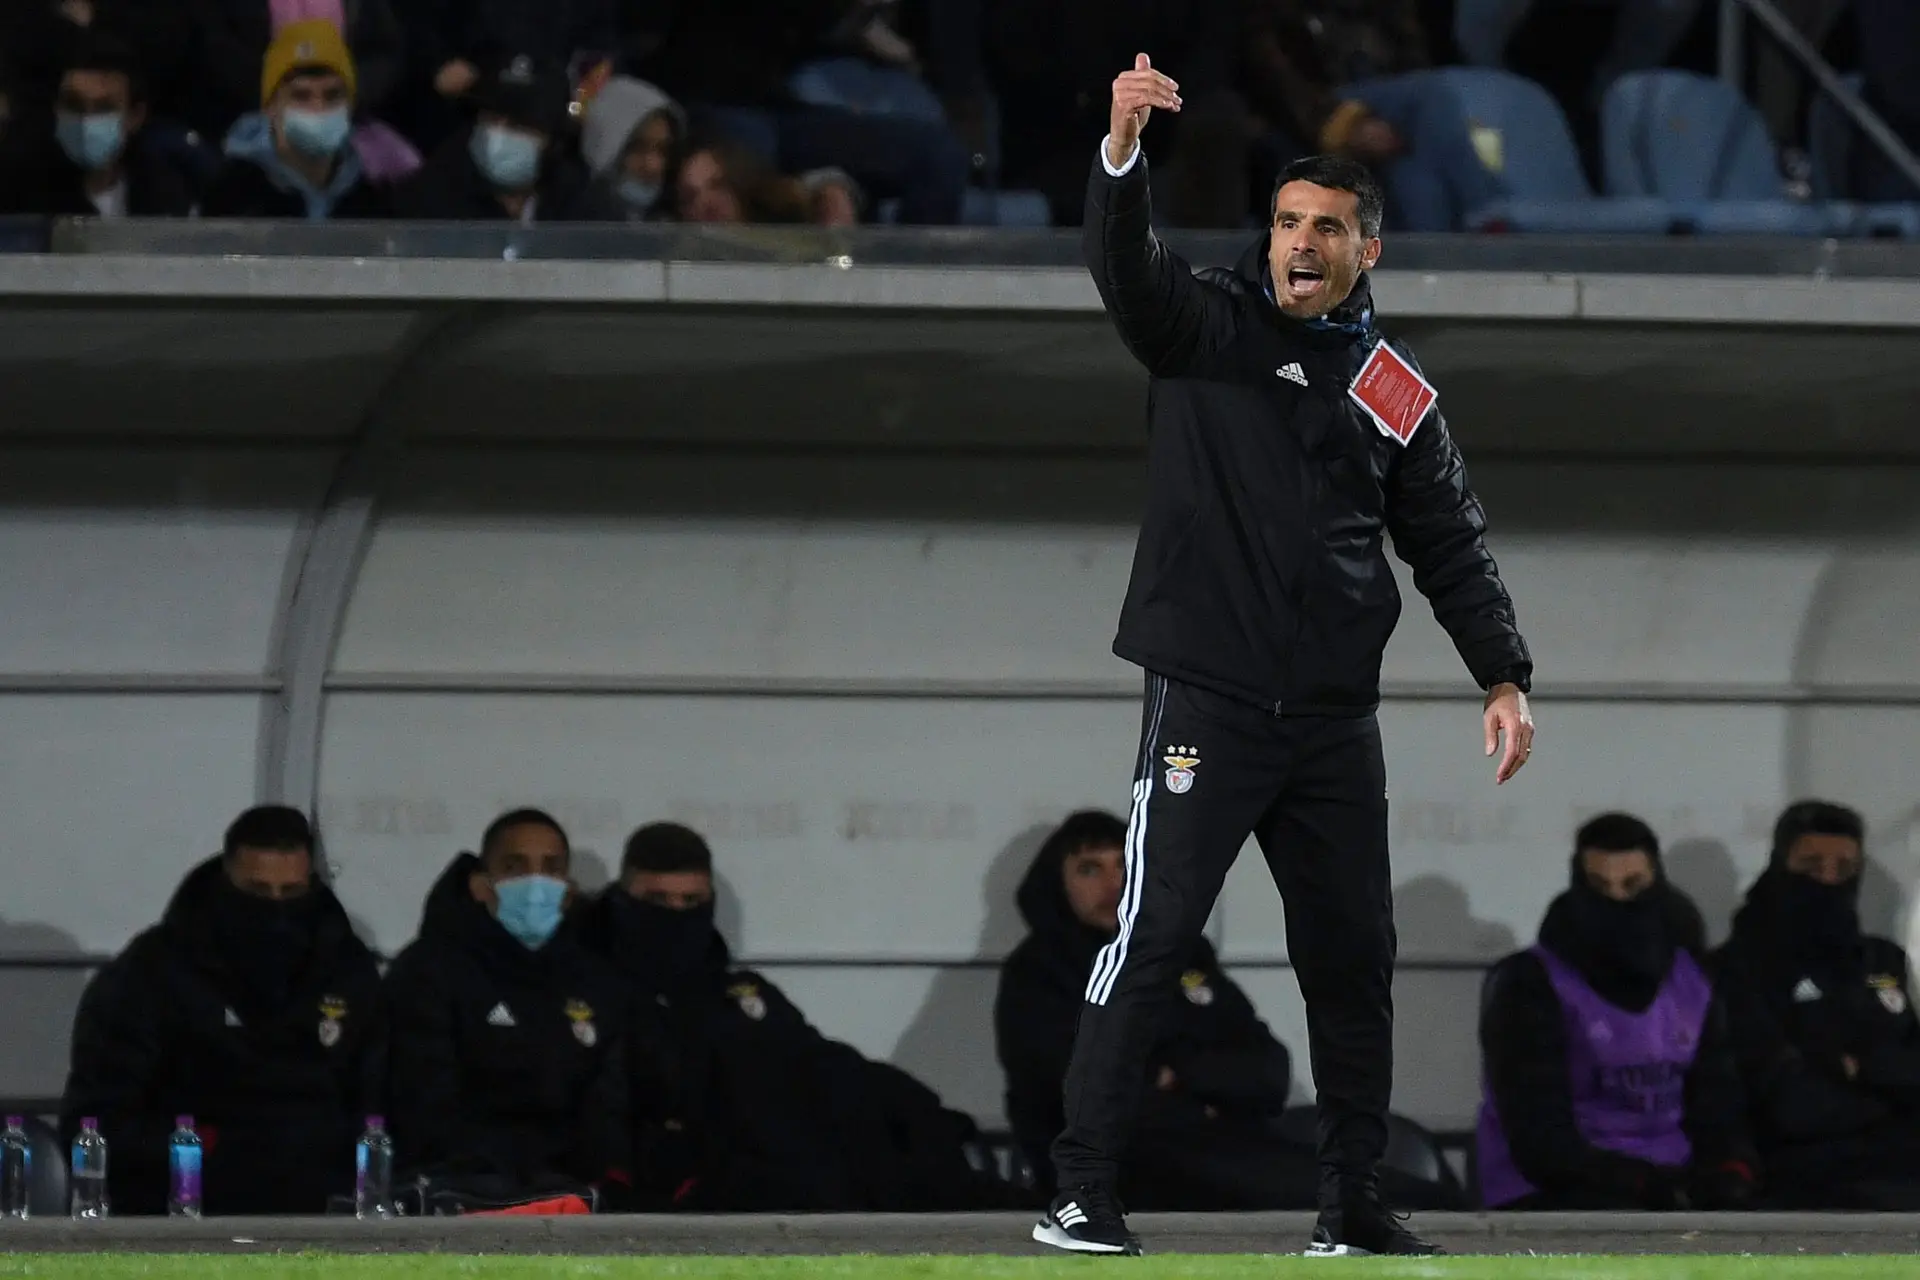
(1733, 61)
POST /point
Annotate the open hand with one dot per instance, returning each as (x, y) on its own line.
(1135, 94)
(1508, 721)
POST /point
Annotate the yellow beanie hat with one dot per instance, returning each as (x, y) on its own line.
(313, 43)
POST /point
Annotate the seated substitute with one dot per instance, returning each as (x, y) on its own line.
(295, 158)
(741, 1103)
(252, 1007)
(507, 1073)
(1609, 1079)
(1218, 1075)
(1823, 1022)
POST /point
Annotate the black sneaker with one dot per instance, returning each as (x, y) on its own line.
(1362, 1227)
(1087, 1220)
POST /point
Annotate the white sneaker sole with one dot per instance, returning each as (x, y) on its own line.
(1336, 1251)
(1056, 1235)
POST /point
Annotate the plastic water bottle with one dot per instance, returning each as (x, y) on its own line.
(16, 1169)
(183, 1170)
(88, 1177)
(373, 1172)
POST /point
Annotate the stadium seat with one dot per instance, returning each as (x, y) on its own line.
(47, 1189)
(1696, 142)
(1766, 217)
(854, 84)
(1685, 137)
(1524, 140)
(1888, 220)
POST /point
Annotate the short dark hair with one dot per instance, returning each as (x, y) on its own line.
(666, 847)
(269, 826)
(521, 818)
(95, 51)
(1337, 173)
(1815, 818)
(1616, 833)
(1087, 829)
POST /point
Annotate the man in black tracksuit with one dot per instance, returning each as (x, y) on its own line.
(251, 1006)
(507, 1076)
(1824, 1025)
(740, 1104)
(1260, 604)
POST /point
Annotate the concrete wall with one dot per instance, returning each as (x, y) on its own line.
(875, 679)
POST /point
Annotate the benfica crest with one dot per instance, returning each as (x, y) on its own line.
(332, 1010)
(1181, 762)
(580, 1013)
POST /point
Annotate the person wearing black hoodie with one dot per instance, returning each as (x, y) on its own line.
(1824, 1025)
(1217, 1074)
(741, 1104)
(507, 1064)
(518, 161)
(253, 1008)
(1610, 1080)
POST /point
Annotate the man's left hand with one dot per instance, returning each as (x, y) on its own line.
(1508, 720)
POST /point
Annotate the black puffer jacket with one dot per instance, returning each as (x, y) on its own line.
(743, 1105)
(1800, 1006)
(1261, 571)
(1223, 1057)
(278, 1082)
(505, 1061)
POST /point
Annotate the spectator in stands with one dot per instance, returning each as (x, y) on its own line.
(723, 182)
(295, 158)
(232, 37)
(729, 60)
(518, 161)
(631, 139)
(744, 1106)
(507, 1067)
(1609, 1075)
(1219, 1076)
(1823, 1023)
(96, 163)
(252, 1007)
(1352, 80)
(1052, 62)
(452, 44)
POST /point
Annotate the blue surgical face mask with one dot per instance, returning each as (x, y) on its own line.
(318, 134)
(639, 195)
(530, 908)
(509, 159)
(90, 141)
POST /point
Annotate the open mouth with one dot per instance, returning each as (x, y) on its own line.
(1304, 281)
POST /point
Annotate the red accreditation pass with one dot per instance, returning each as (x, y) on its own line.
(1393, 393)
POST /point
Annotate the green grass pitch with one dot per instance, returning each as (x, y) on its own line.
(120, 1266)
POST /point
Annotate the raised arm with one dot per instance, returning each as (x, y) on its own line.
(1169, 320)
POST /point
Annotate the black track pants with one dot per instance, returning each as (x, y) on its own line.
(1313, 791)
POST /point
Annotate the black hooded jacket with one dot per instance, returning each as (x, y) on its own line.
(450, 187)
(1261, 570)
(1802, 998)
(50, 183)
(278, 1063)
(1523, 1042)
(1222, 1055)
(505, 1061)
(742, 1105)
